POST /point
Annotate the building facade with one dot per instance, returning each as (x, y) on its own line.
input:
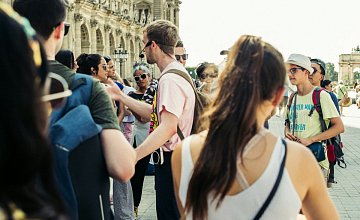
(348, 64)
(101, 26)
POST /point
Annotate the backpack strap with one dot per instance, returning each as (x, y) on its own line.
(287, 121)
(317, 107)
(188, 79)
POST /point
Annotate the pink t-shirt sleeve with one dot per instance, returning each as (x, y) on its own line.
(172, 97)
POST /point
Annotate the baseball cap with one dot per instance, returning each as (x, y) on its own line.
(320, 63)
(300, 60)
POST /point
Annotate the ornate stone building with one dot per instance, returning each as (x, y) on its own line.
(101, 26)
(348, 64)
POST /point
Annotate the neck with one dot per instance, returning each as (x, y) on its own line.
(318, 84)
(263, 113)
(50, 50)
(304, 89)
(164, 60)
(142, 90)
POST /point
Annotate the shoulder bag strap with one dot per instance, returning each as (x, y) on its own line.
(187, 78)
(294, 114)
(275, 187)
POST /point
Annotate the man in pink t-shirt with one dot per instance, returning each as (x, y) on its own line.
(173, 106)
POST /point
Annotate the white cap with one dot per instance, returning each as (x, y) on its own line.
(300, 60)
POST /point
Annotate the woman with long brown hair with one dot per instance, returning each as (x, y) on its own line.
(236, 169)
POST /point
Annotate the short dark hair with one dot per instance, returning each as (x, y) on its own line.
(320, 63)
(325, 82)
(179, 44)
(44, 15)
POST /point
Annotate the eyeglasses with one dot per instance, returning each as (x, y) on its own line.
(315, 70)
(141, 55)
(294, 70)
(184, 57)
(206, 75)
(66, 27)
(56, 90)
(142, 76)
(105, 67)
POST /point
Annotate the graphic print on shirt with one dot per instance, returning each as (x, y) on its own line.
(302, 111)
(154, 122)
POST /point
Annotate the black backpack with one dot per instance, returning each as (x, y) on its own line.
(80, 169)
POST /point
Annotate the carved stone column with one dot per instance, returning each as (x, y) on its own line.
(107, 29)
(93, 41)
(78, 19)
(177, 17)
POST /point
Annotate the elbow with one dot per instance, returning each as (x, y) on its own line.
(123, 173)
(342, 128)
(123, 169)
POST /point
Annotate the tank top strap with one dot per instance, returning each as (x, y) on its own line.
(253, 141)
(241, 179)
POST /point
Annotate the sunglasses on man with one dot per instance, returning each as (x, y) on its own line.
(184, 57)
(142, 76)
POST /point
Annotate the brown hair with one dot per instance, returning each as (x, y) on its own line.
(254, 71)
(164, 33)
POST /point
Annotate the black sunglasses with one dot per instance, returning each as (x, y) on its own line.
(184, 57)
(141, 55)
(142, 76)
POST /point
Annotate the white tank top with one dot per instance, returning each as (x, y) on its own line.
(286, 203)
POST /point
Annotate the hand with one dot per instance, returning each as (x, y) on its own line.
(113, 90)
(292, 137)
(305, 141)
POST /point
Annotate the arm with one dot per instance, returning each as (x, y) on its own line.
(159, 136)
(121, 112)
(176, 172)
(140, 108)
(336, 128)
(119, 155)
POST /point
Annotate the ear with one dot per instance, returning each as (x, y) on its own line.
(58, 31)
(278, 96)
(93, 71)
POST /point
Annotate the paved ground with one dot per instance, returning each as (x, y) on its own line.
(345, 194)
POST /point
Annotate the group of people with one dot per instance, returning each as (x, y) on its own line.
(231, 168)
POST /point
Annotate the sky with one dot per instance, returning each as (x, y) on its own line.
(317, 28)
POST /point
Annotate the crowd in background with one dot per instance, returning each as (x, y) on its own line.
(231, 167)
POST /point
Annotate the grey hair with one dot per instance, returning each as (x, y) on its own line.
(141, 67)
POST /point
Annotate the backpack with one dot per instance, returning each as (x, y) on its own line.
(80, 169)
(201, 101)
(334, 144)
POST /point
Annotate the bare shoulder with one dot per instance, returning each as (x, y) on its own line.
(196, 145)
